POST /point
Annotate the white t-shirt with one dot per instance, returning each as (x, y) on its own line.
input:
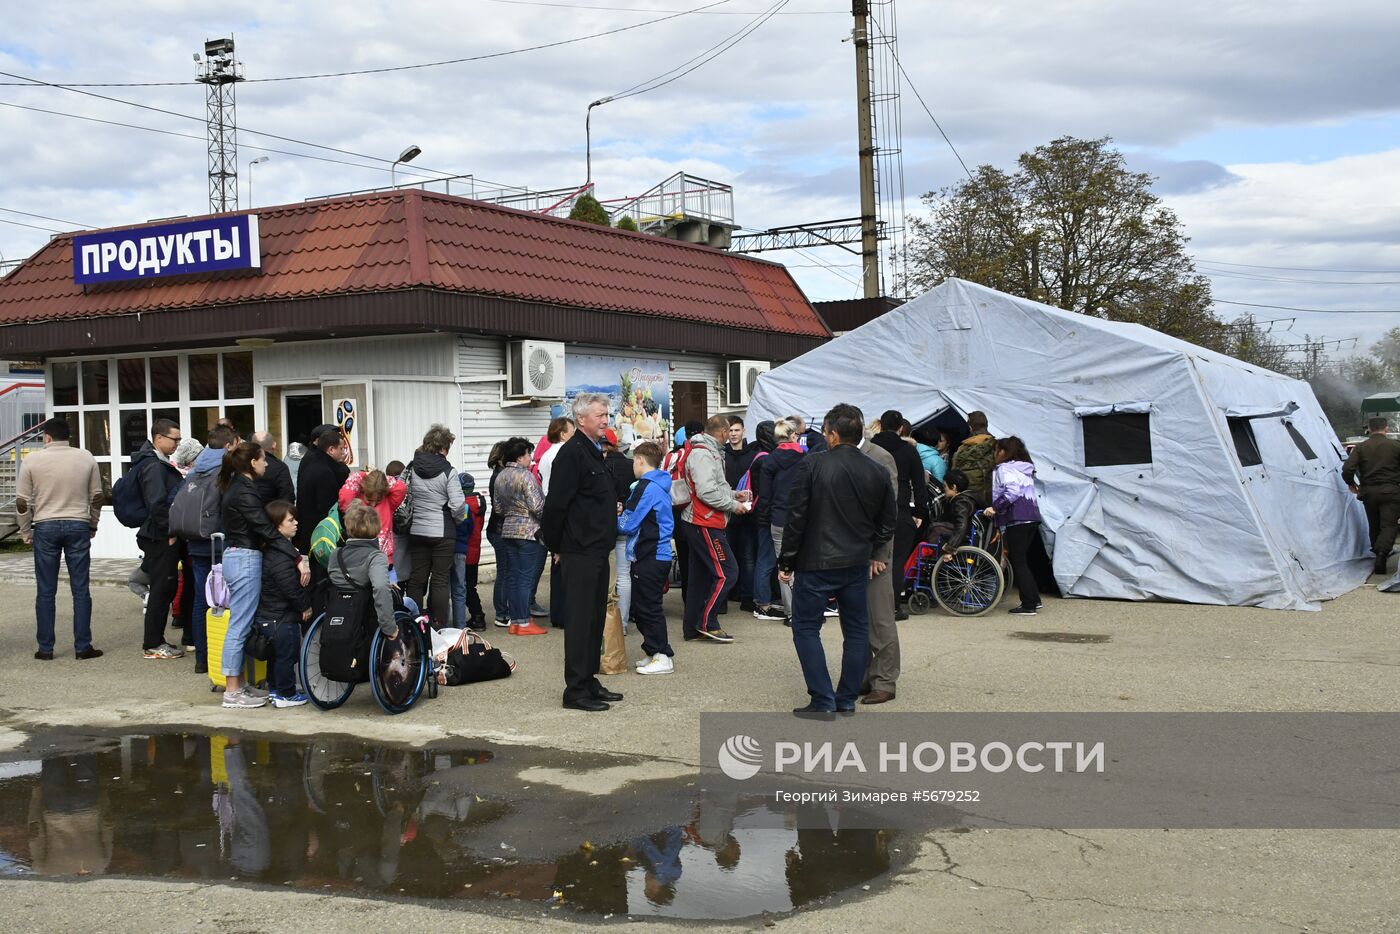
(546, 465)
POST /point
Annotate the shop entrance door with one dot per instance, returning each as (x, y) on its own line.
(301, 412)
(689, 402)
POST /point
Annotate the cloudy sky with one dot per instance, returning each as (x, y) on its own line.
(1272, 127)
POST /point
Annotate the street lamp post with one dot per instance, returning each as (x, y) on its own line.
(588, 137)
(258, 161)
(408, 155)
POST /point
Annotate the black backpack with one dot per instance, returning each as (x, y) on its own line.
(348, 629)
(128, 502)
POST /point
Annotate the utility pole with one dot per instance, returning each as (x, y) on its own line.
(219, 73)
(869, 201)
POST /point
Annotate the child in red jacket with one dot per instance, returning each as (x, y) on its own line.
(466, 602)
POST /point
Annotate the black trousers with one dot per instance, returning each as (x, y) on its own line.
(906, 536)
(682, 545)
(648, 587)
(1382, 514)
(713, 573)
(431, 558)
(1018, 539)
(470, 577)
(162, 563)
(582, 602)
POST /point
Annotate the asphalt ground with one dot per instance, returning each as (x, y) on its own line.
(1159, 657)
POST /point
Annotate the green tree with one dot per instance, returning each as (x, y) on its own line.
(1074, 228)
(626, 223)
(588, 209)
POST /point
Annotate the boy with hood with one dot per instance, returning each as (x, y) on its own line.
(646, 520)
(467, 611)
(976, 457)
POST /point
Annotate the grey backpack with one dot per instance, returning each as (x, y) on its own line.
(196, 512)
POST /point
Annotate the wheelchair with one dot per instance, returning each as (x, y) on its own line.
(971, 584)
(398, 670)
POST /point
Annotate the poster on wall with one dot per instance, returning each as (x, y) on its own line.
(346, 406)
(638, 391)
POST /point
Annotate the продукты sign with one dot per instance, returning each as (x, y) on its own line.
(212, 244)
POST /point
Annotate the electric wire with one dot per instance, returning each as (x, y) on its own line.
(33, 226)
(1316, 311)
(201, 139)
(43, 217)
(1359, 272)
(1213, 273)
(627, 9)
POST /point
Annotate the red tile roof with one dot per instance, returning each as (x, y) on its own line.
(413, 239)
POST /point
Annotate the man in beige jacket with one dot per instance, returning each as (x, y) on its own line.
(59, 502)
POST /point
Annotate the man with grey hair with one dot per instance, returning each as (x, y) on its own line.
(276, 481)
(580, 518)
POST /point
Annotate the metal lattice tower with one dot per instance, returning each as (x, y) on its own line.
(219, 72)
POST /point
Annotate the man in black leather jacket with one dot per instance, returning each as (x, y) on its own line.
(962, 505)
(841, 510)
(912, 495)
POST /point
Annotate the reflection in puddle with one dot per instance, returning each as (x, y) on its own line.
(435, 823)
(1078, 638)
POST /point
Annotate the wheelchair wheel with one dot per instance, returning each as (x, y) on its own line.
(970, 584)
(400, 666)
(324, 692)
(919, 603)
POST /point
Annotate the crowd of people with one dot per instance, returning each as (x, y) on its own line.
(799, 525)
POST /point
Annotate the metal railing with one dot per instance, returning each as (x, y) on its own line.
(681, 197)
(12, 452)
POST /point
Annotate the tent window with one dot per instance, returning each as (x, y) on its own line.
(1117, 439)
(1243, 434)
(1303, 447)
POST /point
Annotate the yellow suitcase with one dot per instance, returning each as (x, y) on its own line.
(215, 628)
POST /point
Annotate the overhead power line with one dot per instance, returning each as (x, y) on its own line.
(633, 9)
(920, 98)
(1318, 311)
(1356, 272)
(387, 69)
(201, 139)
(43, 217)
(201, 120)
(702, 59)
(1299, 281)
(33, 226)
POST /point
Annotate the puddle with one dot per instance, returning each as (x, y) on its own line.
(441, 822)
(1079, 638)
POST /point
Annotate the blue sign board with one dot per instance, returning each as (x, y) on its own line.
(211, 244)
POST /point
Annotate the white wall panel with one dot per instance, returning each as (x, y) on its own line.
(367, 357)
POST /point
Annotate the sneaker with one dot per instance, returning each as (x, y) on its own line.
(537, 610)
(163, 652)
(659, 665)
(831, 612)
(716, 635)
(288, 700)
(772, 613)
(644, 660)
(189, 648)
(1039, 605)
(240, 700)
(502, 623)
(255, 691)
(527, 629)
(748, 606)
(1022, 611)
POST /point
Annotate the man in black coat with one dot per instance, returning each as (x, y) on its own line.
(276, 481)
(161, 552)
(911, 495)
(580, 528)
(841, 513)
(322, 474)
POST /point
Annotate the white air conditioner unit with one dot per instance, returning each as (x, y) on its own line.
(535, 370)
(741, 380)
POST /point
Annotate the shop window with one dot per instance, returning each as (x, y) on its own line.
(1302, 443)
(242, 418)
(135, 430)
(1116, 439)
(104, 471)
(97, 433)
(165, 379)
(131, 381)
(203, 418)
(72, 419)
(30, 421)
(1245, 447)
(204, 376)
(238, 376)
(65, 384)
(95, 377)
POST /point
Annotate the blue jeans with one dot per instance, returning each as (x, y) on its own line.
(72, 539)
(624, 580)
(458, 582)
(243, 574)
(764, 566)
(523, 557)
(498, 589)
(743, 542)
(810, 592)
(282, 667)
(200, 567)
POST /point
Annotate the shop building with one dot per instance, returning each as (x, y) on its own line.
(385, 313)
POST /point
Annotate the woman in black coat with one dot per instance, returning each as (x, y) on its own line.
(284, 605)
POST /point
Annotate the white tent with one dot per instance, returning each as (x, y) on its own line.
(1165, 471)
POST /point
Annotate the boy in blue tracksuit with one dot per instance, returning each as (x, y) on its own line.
(648, 523)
